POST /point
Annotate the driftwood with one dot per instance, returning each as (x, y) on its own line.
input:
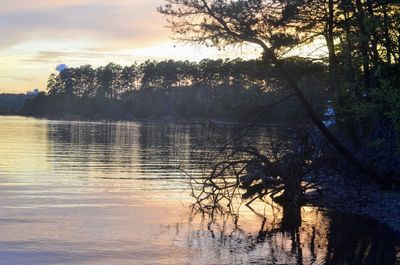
(286, 170)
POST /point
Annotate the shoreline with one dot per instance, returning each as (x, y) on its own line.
(362, 198)
(339, 193)
(157, 120)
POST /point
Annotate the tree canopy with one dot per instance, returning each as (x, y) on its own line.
(361, 38)
(213, 89)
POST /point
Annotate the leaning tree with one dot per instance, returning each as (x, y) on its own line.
(265, 23)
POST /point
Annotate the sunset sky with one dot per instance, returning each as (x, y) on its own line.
(38, 35)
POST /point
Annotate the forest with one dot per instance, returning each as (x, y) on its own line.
(210, 89)
(11, 104)
(361, 44)
(200, 132)
(358, 76)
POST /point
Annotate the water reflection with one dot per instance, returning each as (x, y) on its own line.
(124, 151)
(275, 235)
(113, 193)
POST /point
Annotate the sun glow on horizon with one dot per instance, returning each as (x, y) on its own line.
(38, 36)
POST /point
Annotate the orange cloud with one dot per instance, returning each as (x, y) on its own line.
(38, 35)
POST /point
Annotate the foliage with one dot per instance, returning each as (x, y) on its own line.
(12, 103)
(361, 38)
(209, 89)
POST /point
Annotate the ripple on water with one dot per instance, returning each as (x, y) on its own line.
(113, 193)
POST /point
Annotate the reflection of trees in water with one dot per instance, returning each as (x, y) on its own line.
(165, 144)
(101, 146)
(150, 149)
(182, 145)
(362, 241)
(277, 235)
(290, 235)
(260, 238)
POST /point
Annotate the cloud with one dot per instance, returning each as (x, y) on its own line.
(16, 78)
(37, 35)
(116, 24)
(12, 6)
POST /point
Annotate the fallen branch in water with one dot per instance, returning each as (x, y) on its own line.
(285, 171)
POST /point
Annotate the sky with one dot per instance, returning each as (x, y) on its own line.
(37, 35)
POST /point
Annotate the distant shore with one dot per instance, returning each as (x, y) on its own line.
(155, 119)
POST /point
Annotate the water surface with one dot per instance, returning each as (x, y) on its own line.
(113, 193)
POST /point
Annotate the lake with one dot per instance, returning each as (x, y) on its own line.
(115, 193)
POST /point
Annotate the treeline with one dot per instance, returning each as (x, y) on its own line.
(215, 89)
(361, 40)
(11, 104)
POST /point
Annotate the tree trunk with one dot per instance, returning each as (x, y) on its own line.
(286, 76)
(374, 36)
(334, 71)
(387, 36)
(359, 13)
(333, 61)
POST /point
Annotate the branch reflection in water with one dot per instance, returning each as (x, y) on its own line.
(110, 193)
(266, 233)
